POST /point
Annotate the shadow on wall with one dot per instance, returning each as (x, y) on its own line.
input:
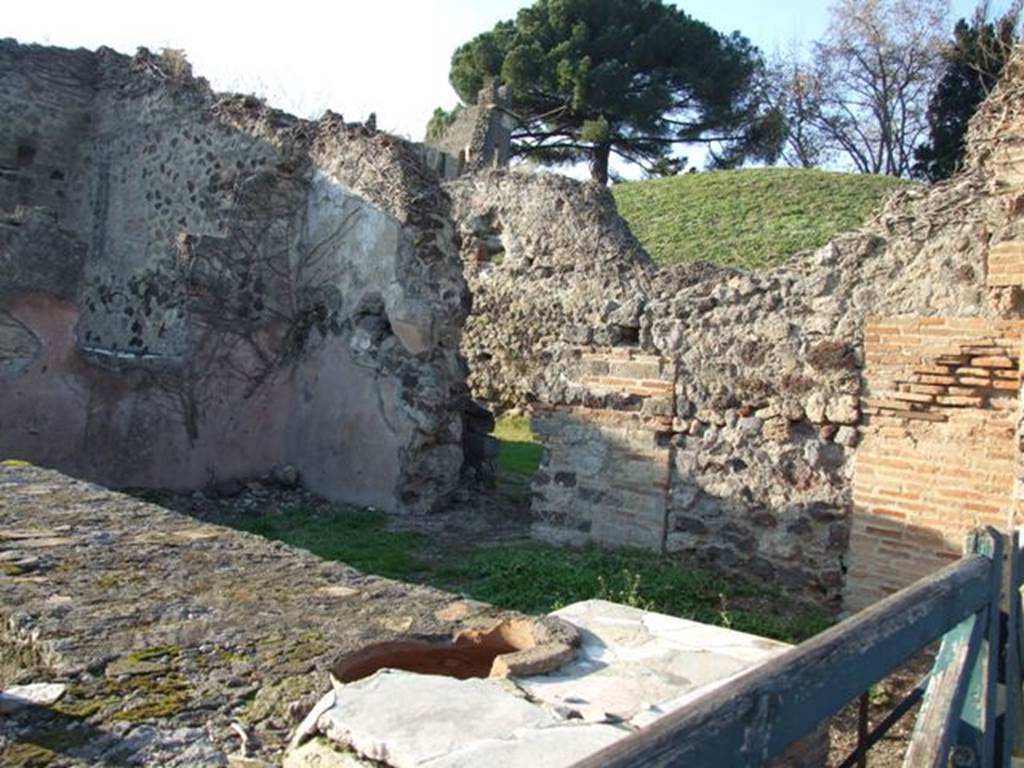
(617, 479)
(625, 485)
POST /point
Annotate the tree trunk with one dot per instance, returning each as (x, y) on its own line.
(599, 164)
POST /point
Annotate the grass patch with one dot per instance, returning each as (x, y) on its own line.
(538, 578)
(520, 451)
(749, 218)
(357, 537)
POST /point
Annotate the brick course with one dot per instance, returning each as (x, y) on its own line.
(605, 475)
(938, 455)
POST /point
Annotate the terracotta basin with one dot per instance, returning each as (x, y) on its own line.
(511, 647)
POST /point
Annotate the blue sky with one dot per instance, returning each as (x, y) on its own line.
(387, 56)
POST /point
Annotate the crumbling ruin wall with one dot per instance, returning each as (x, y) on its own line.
(479, 137)
(749, 458)
(196, 288)
(551, 268)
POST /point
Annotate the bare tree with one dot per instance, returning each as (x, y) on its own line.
(254, 298)
(797, 94)
(862, 95)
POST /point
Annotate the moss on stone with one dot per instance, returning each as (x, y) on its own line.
(81, 708)
(11, 569)
(83, 701)
(271, 701)
(310, 646)
(153, 708)
(151, 696)
(173, 651)
(111, 580)
(42, 747)
(26, 756)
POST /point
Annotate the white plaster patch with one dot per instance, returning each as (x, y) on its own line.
(348, 242)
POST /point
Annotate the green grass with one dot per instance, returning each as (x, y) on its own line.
(538, 578)
(529, 576)
(520, 451)
(748, 218)
(359, 538)
(533, 577)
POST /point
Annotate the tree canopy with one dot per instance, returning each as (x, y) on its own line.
(973, 63)
(588, 79)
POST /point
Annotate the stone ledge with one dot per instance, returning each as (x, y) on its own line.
(166, 630)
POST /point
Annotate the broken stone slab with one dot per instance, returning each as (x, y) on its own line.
(552, 747)
(20, 697)
(406, 720)
(632, 668)
(631, 661)
(532, 661)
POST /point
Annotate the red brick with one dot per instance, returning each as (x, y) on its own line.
(960, 401)
(992, 362)
(911, 397)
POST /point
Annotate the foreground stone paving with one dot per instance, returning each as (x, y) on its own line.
(172, 637)
(632, 668)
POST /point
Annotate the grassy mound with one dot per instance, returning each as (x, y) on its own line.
(749, 218)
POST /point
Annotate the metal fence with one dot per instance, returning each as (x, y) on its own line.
(971, 711)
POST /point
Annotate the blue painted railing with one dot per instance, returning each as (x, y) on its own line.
(971, 711)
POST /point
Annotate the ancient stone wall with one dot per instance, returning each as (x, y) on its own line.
(196, 288)
(607, 469)
(479, 137)
(551, 268)
(766, 412)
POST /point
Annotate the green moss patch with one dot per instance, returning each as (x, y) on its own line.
(150, 697)
(271, 701)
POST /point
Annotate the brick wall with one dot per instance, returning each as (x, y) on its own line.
(938, 454)
(937, 457)
(606, 467)
(1006, 264)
